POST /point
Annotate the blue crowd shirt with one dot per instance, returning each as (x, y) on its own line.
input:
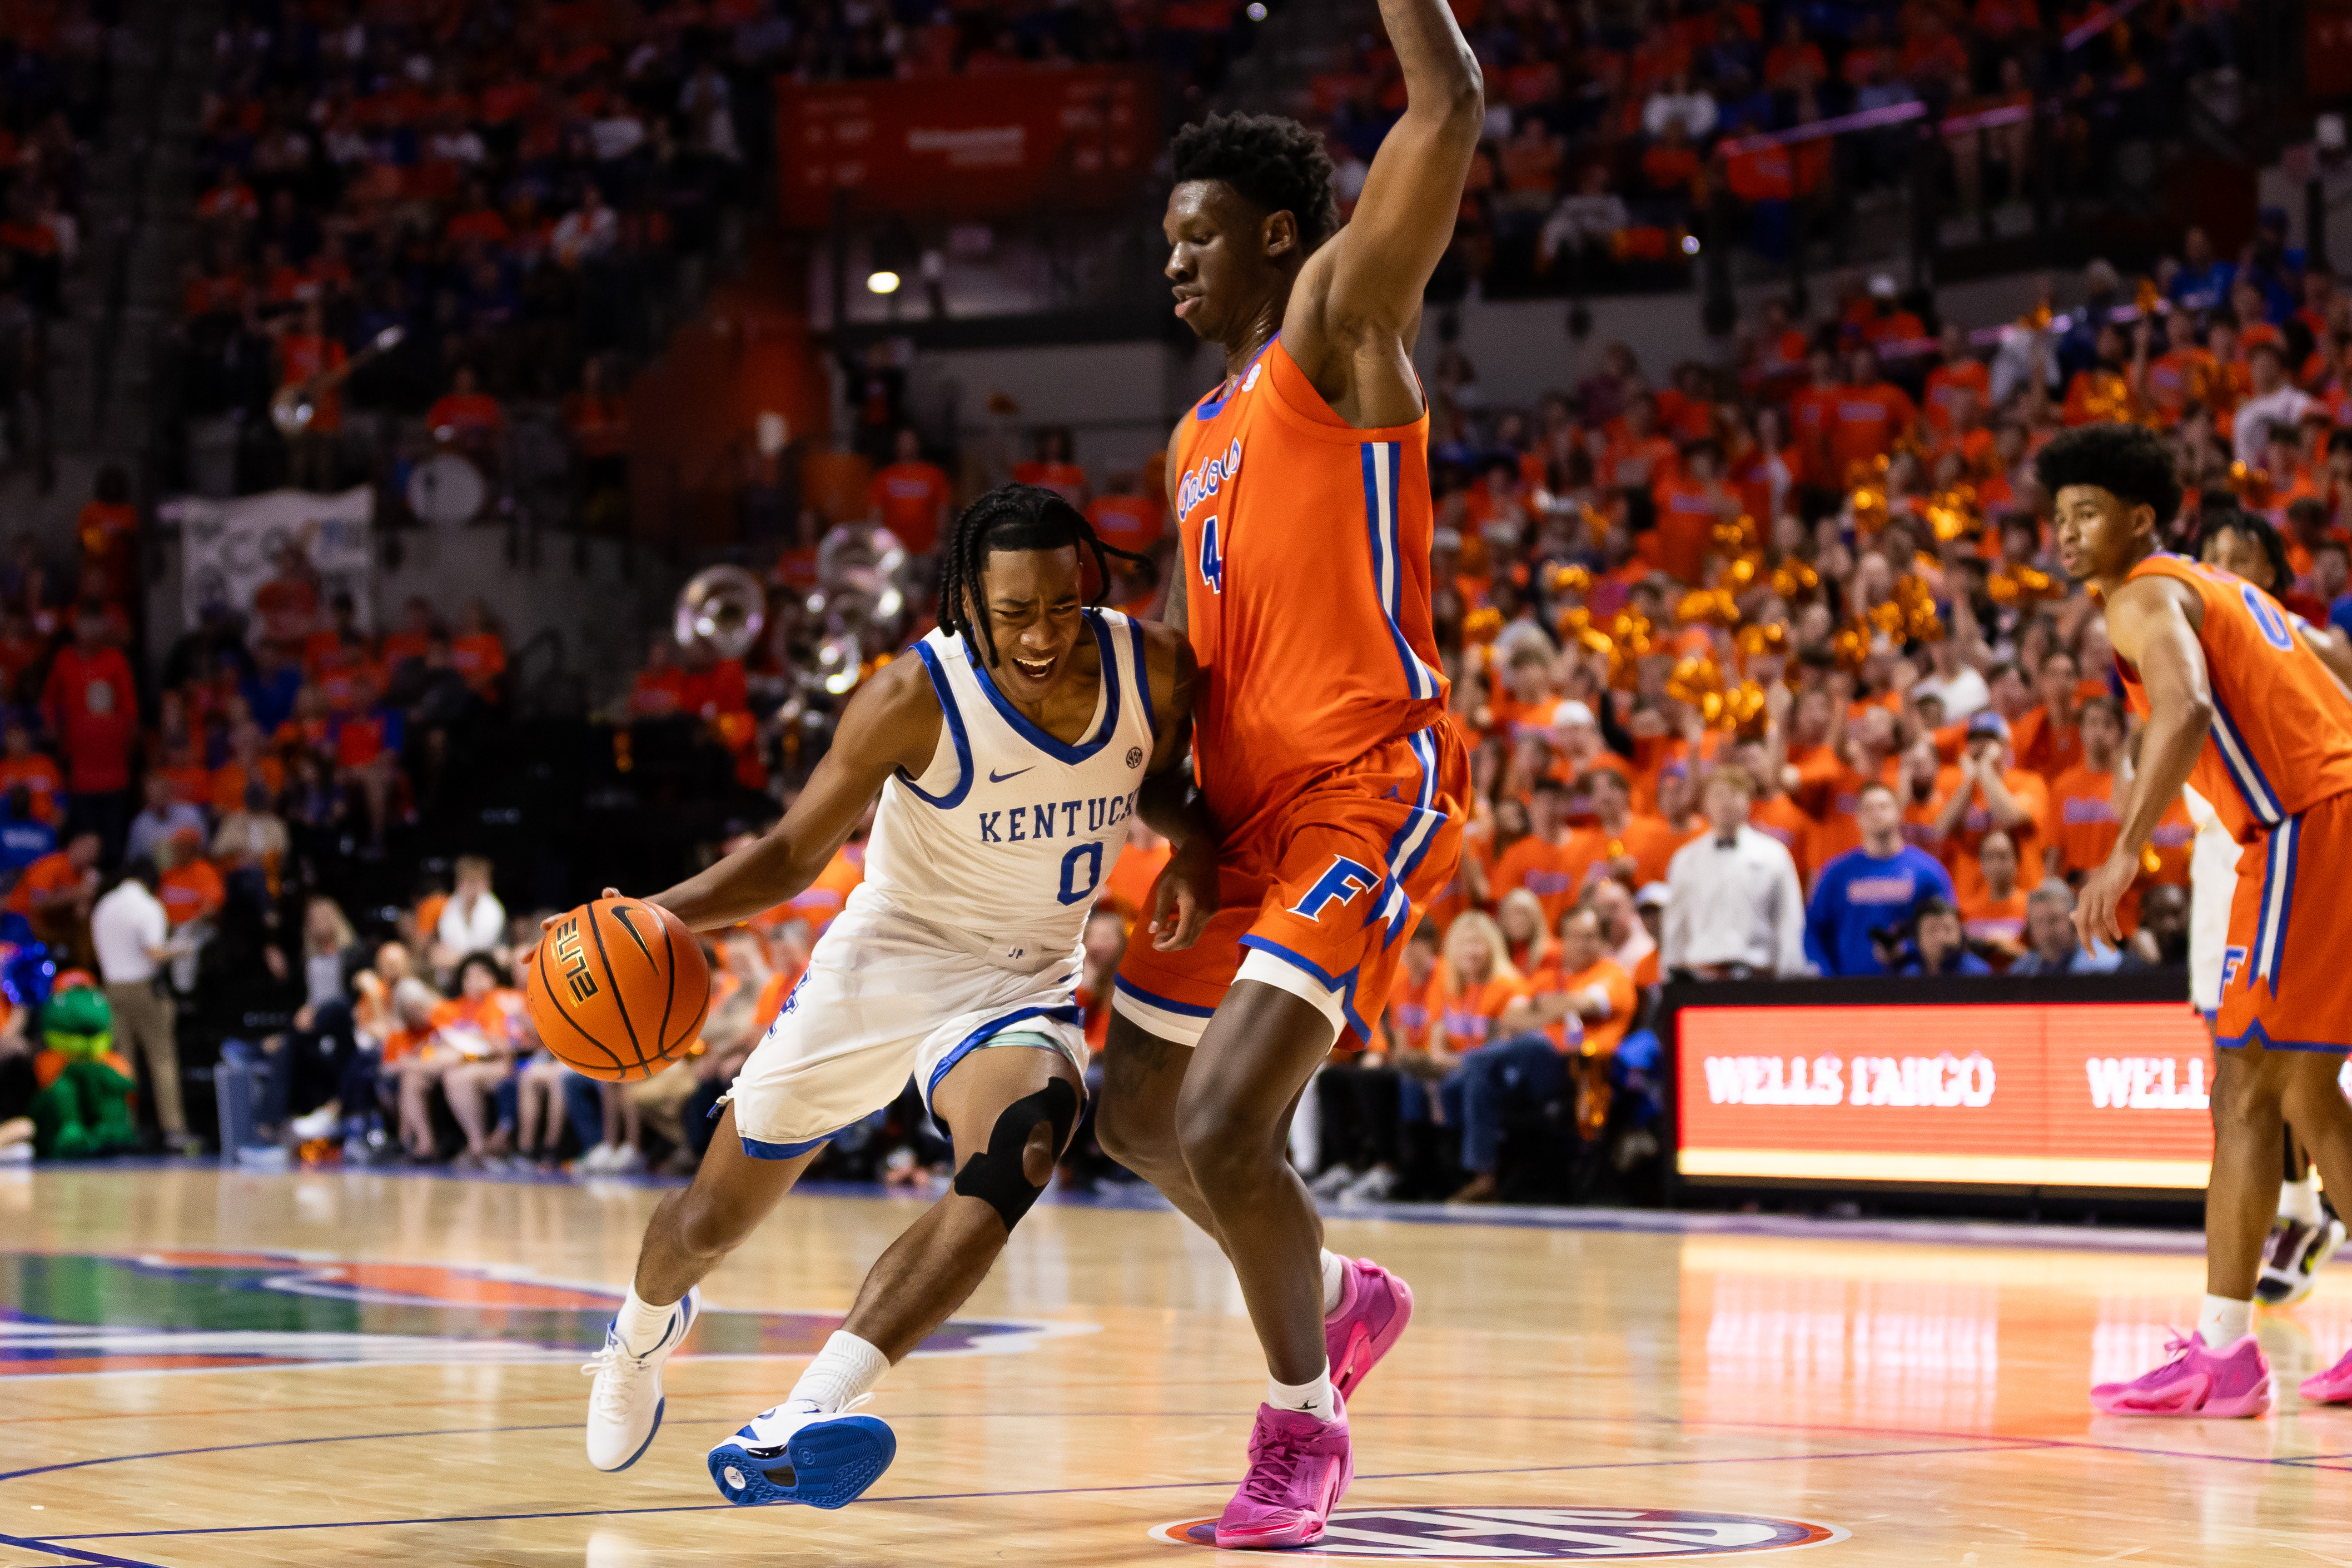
(1858, 894)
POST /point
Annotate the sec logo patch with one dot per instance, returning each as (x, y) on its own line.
(1534, 1535)
(1135, 757)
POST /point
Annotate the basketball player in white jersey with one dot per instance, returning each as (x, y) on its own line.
(2304, 1236)
(1010, 749)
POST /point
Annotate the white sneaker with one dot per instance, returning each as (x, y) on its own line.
(797, 1453)
(1373, 1187)
(597, 1160)
(323, 1123)
(625, 1407)
(627, 1161)
(16, 1153)
(1331, 1183)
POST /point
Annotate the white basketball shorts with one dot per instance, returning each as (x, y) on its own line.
(887, 995)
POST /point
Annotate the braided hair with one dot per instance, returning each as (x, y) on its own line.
(1010, 517)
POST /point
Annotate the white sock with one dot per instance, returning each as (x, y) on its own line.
(2224, 1322)
(2299, 1200)
(1316, 1398)
(640, 1324)
(1334, 1281)
(846, 1369)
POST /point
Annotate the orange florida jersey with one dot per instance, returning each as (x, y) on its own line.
(1305, 553)
(2281, 735)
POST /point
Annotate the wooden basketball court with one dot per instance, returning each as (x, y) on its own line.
(204, 1368)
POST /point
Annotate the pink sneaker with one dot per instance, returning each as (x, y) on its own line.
(1374, 1307)
(2333, 1386)
(1299, 1469)
(2196, 1382)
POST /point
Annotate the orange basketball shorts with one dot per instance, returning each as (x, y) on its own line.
(2286, 974)
(1320, 900)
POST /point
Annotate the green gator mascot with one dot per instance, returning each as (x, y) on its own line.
(84, 1107)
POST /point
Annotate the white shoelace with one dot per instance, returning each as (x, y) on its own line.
(611, 1400)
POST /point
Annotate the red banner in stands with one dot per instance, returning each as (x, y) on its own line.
(2097, 1095)
(966, 147)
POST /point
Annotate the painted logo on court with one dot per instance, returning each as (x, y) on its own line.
(1534, 1534)
(65, 1313)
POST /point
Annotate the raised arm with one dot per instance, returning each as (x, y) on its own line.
(2149, 621)
(890, 725)
(1357, 306)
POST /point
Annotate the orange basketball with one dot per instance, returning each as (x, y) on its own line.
(617, 988)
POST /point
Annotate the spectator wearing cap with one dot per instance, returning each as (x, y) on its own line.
(1733, 905)
(1941, 944)
(1575, 734)
(1984, 791)
(2052, 945)
(1877, 888)
(160, 819)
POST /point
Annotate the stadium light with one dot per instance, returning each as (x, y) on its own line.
(1257, 10)
(1690, 244)
(883, 283)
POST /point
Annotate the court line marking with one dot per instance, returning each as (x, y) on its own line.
(1140, 1196)
(95, 1559)
(1038, 1492)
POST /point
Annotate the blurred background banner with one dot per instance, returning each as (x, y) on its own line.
(2094, 1082)
(963, 147)
(231, 549)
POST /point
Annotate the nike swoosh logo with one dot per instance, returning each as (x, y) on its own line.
(996, 778)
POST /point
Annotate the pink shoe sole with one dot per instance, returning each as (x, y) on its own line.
(1271, 1537)
(2255, 1402)
(2326, 1390)
(1363, 1350)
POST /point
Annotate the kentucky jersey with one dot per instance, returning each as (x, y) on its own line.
(1305, 552)
(2281, 735)
(1008, 833)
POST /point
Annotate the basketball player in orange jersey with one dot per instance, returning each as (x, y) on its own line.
(2241, 707)
(1323, 752)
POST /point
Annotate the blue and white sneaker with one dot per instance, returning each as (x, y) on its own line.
(797, 1453)
(625, 1407)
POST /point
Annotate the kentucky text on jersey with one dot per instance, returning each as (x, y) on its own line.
(1020, 824)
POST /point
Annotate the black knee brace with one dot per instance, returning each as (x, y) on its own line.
(997, 1175)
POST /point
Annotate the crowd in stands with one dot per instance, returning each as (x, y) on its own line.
(1610, 131)
(55, 93)
(492, 196)
(502, 185)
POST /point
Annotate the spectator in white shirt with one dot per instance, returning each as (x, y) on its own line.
(1734, 907)
(2276, 403)
(1586, 221)
(587, 232)
(132, 937)
(1677, 102)
(473, 921)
